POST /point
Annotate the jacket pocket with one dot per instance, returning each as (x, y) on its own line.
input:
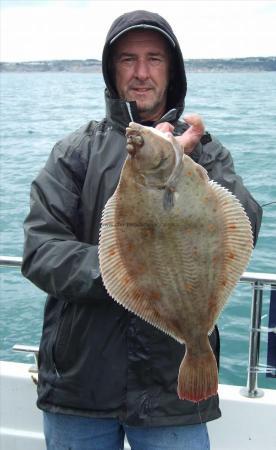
(62, 338)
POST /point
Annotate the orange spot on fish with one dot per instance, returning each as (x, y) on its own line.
(126, 280)
(188, 287)
(111, 252)
(137, 270)
(231, 255)
(211, 227)
(129, 247)
(157, 314)
(212, 304)
(154, 295)
(148, 232)
(176, 324)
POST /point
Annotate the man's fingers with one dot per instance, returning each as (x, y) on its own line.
(195, 121)
(165, 127)
(192, 136)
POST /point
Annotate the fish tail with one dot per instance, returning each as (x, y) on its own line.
(198, 375)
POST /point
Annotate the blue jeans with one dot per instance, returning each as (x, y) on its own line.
(64, 432)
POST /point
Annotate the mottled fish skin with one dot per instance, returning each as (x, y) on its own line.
(174, 266)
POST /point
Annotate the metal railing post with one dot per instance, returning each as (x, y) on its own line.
(254, 342)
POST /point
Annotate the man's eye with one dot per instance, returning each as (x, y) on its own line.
(155, 60)
(128, 59)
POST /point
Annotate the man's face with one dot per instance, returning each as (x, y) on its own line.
(142, 71)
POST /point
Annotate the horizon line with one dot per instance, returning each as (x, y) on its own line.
(100, 61)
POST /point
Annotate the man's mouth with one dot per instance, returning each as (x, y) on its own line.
(141, 90)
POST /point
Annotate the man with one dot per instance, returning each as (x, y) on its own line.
(103, 372)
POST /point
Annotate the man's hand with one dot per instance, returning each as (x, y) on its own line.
(191, 137)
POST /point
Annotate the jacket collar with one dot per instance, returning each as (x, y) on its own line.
(120, 113)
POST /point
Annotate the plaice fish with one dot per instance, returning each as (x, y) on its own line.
(173, 245)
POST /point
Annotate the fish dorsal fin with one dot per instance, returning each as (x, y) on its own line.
(238, 240)
(118, 282)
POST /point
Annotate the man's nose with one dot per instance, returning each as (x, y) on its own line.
(142, 70)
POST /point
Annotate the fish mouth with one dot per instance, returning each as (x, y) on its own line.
(134, 138)
(133, 126)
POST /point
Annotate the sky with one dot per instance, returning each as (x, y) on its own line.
(36, 30)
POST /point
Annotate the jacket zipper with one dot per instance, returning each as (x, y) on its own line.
(58, 329)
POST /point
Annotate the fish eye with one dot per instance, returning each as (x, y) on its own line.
(160, 163)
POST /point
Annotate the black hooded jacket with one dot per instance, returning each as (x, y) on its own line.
(96, 359)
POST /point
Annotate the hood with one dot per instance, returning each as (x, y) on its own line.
(147, 20)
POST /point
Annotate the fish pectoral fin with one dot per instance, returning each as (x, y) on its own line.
(171, 184)
(168, 199)
(198, 375)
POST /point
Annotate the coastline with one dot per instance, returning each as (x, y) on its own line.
(250, 64)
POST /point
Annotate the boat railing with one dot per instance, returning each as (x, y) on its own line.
(258, 281)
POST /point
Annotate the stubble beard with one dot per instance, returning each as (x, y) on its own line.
(149, 108)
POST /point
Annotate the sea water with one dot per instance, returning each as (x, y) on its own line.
(38, 109)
